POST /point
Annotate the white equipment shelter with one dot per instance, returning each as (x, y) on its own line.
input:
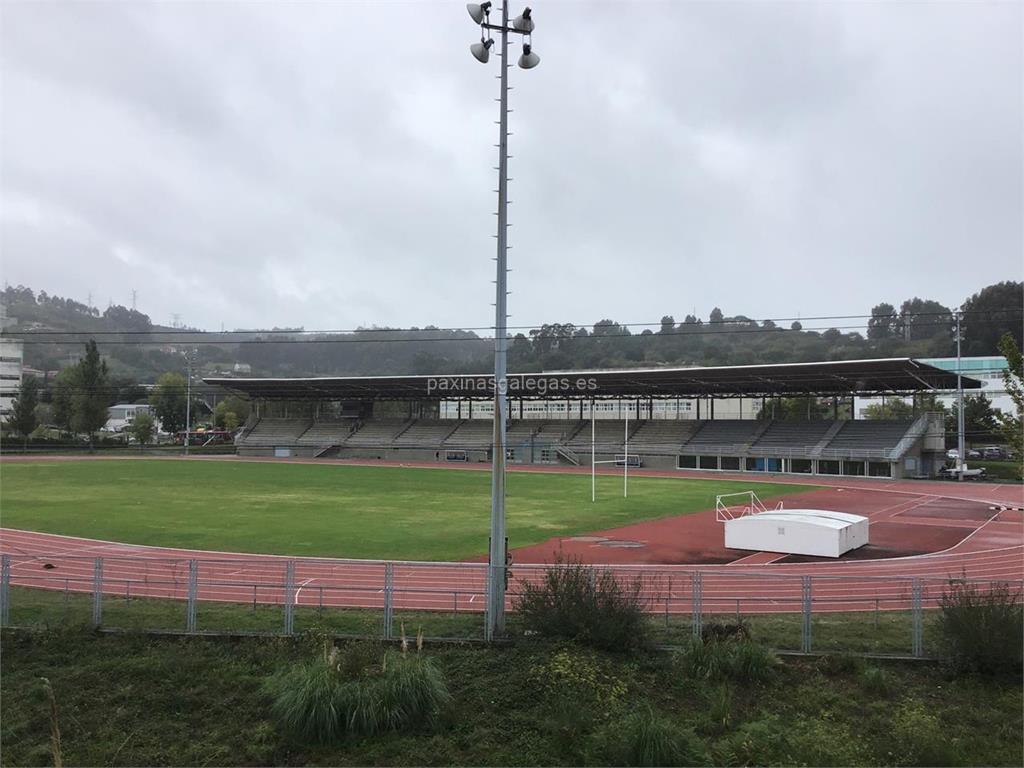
(818, 532)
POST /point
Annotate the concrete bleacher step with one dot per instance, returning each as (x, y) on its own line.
(827, 438)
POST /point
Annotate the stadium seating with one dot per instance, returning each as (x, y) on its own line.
(424, 433)
(792, 436)
(375, 433)
(662, 437)
(271, 432)
(472, 433)
(725, 436)
(867, 438)
(326, 432)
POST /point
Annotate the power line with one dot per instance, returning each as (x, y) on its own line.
(455, 329)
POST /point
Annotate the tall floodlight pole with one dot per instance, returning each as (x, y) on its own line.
(188, 400)
(522, 25)
(959, 407)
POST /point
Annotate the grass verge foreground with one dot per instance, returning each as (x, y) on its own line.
(138, 700)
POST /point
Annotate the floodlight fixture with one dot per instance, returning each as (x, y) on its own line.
(478, 11)
(481, 51)
(523, 22)
(529, 59)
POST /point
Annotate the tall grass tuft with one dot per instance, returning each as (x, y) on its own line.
(651, 740)
(876, 681)
(589, 605)
(328, 698)
(739, 660)
(981, 627)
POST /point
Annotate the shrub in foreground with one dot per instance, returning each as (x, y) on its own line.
(333, 696)
(981, 627)
(739, 660)
(649, 739)
(589, 605)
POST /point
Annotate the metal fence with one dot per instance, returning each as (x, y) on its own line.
(267, 595)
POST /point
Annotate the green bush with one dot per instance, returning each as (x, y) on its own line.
(981, 627)
(918, 738)
(876, 681)
(648, 739)
(589, 605)
(335, 695)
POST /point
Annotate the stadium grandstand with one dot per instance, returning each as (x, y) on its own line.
(433, 418)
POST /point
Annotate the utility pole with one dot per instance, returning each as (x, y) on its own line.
(522, 25)
(959, 407)
(188, 399)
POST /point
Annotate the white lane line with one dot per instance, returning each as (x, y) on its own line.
(299, 590)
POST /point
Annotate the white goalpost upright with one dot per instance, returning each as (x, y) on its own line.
(593, 456)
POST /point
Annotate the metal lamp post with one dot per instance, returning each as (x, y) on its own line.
(521, 25)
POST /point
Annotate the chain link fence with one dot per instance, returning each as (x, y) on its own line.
(281, 596)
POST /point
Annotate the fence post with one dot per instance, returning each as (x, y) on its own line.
(805, 625)
(488, 636)
(389, 587)
(193, 594)
(916, 618)
(97, 592)
(5, 590)
(697, 597)
(289, 597)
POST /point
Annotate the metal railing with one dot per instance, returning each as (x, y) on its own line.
(266, 595)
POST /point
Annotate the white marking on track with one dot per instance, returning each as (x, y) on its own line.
(299, 590)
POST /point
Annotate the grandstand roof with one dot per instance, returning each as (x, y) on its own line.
(843, 377)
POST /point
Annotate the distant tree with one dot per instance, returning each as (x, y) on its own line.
(796, 409)
(925, 319)
(169, 401)
(716, 315)
(142, 428)
(981, 423)
(884, 322)
(64, 388)
(1012, 424)
(769, 324)
(125, 319)
(230, 412)
(893, 408)
(90, 399)
(991, 312)
(668, 324)
(832, 335)
(796, 325)
(230, 421)
(690, 320)
(23, 408)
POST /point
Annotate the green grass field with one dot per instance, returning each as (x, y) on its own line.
(334, 511)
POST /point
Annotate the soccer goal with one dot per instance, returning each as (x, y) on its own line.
(624, 460)
(729, 506)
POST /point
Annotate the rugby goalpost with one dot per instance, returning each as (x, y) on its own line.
(747, 503)
(593, 455)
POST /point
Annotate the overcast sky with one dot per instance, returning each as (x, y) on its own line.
(330, 164)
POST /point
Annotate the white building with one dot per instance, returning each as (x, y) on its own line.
(987, 370)
(617, 408)
(12, 357)
(120, 416)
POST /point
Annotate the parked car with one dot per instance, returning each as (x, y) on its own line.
(993, 452)
(953, 454)
(973, 454)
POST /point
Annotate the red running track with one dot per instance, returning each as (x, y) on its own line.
(950, 530)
